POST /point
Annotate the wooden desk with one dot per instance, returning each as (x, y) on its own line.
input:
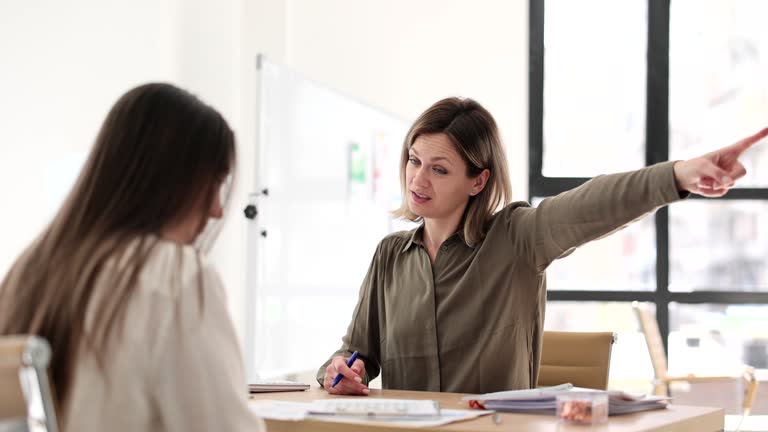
(672, 419)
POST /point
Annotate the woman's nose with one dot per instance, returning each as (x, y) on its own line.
(420, 177)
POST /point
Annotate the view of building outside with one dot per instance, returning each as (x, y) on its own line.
(625, 260)
(718, 92)
(594, 102)
(718, 246)
(718, 89)
(594, 87)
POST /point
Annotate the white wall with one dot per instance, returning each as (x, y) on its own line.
(62, 65)
(260, 28)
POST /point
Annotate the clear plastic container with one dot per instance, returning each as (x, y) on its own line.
(588, 408)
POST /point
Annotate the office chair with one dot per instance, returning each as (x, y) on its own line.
(662, 379)
(26, 402)
(582, 359)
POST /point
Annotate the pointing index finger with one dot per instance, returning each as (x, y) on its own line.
(749, 141)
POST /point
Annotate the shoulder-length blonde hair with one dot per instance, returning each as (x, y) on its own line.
(475, 135)
(159, 157)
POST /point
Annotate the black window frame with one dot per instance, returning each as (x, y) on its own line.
(657, 150)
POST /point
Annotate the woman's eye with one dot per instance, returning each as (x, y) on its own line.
(439, 170)
(413, 161)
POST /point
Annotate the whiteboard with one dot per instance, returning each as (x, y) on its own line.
(327, 178)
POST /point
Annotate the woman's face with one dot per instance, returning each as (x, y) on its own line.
(436, 179)
(216, 210)
(187, 229)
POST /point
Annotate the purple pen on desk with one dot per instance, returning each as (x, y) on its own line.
(350, 362)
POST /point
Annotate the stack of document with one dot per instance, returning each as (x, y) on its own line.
(276, 386)
(544, 400)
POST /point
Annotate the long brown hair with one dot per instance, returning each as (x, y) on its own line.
(159, 156)
(475, 136)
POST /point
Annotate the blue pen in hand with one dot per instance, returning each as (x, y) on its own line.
(350, 362)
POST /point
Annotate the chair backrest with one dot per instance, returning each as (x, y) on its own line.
(655, 344)
(26, 395)
(580, 358)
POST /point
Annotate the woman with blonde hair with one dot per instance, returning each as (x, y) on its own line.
(458, 303)
(118, 283)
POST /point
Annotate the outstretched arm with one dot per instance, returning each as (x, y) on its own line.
(610, 202)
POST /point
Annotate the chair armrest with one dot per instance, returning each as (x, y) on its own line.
(750, 387)
(697, 378)
(747, 374)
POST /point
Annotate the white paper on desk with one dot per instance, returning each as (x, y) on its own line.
(279, 410)
(376, 407)
(446, 416)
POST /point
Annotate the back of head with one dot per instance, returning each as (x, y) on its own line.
(158, 150)
(160, 156)
(475, 137)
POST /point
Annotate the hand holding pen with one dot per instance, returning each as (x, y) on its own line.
(344, 376)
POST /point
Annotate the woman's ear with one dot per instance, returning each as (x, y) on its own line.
(480, 181)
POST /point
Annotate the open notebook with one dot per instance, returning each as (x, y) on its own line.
(276, 386)
(376, 408)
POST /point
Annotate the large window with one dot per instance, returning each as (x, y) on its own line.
(615, 86)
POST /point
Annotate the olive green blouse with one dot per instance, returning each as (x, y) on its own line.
(472, 322)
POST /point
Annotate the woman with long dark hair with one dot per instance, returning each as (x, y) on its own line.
(118, 283)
